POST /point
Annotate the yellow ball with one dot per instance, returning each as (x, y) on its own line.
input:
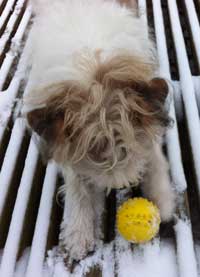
(138, 220)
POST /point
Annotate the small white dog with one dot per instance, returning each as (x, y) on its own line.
(97, 105)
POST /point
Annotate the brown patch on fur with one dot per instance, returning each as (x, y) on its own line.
(46, 124)
(129, 3)
(132, 75)
(124, 69)
(159, 88)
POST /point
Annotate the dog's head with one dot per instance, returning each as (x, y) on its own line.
(104, 127)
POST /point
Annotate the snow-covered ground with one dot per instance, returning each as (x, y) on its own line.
(173, 257)
(154, 259)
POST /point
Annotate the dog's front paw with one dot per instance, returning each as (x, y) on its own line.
(77, 243)
(166, 206)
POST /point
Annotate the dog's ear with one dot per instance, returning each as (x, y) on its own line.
(155, 91)
(159, 89)
(46, 124)
(156, 94)
(152, 96)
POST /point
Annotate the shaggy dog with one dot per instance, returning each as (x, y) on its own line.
(98, 107)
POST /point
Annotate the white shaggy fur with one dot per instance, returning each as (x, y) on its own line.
(77, 27)
(65, 34)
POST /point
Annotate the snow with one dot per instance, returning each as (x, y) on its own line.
(5, 68)
(172, 137)
(187, 87)
(6, 104)
(55, 266)
(42, 224)
(10, 160)
(16, 225)
(195, 28)
(108, 260)
(15, 47)
(6, 12)
(22, 264)
(8, 97)
(185, 251)
(149, 260)
(10, 25)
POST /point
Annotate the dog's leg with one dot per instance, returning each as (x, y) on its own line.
(98, 204)
(157, 186)
(77, 228)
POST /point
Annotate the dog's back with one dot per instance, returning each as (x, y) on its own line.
(63, 29)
